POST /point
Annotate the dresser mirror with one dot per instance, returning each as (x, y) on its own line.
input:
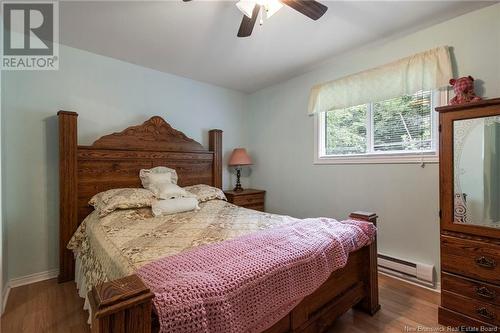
(476, 159)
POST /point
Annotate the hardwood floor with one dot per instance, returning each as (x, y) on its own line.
(45, 307)
(50, 307)
(405, 307)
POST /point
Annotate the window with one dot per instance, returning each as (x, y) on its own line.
(398, 130)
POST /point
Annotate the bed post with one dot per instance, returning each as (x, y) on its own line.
(370, 302)
(123, 305)
(215, 145)
(68, 194)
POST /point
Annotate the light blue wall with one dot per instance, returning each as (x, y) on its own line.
(405, 196)
(109, 95)
(3, 256)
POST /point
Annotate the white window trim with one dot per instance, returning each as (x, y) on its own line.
(439, 98)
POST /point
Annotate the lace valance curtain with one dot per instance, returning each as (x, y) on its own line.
(423, 71)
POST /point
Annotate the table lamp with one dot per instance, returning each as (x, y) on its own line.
(239, 158)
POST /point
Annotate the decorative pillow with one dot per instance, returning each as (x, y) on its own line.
(156, 181)
(158, 178)
(205, 192)
(172, 206)
(158, 174)
(169, 191)
(121, 198)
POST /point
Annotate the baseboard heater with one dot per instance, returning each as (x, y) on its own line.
(412, 271)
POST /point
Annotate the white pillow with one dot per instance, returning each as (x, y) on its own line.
(163, 173)
(154, 179)
(172, 206)
(168, 191)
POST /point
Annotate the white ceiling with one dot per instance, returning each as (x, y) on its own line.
(198, 39)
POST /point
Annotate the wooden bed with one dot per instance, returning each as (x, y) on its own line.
(114, 161)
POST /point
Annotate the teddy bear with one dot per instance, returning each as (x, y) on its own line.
(464, 90)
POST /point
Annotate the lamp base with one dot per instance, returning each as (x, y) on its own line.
(238, 187)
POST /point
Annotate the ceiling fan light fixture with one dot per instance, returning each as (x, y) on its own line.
(264, 9)
(246, 7)
(271, 7)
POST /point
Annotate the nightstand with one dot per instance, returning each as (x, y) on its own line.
(249, 198)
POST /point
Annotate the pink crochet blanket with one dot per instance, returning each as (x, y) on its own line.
(249, 283)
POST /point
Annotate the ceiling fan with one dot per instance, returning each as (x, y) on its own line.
(266, 8)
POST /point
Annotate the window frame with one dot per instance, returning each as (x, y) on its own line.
(439, 98)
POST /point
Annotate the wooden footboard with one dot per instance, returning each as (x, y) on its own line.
(355, 285)
(114, 161)
(124, 305)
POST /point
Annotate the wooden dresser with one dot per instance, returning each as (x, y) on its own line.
(248, 198)
(470, 215)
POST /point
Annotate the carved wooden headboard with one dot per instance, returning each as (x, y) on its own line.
(114, 161)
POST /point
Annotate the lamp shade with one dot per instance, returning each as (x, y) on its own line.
(240, 157)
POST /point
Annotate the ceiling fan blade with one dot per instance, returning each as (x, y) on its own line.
(309, 8)
(186, 0)
(247, 24)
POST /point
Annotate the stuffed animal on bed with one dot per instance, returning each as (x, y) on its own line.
(464, 90)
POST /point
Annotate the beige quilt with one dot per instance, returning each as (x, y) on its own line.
(119, 243)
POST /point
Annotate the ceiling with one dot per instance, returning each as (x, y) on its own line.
(198, 40)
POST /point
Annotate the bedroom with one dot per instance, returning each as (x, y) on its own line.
(283, 93)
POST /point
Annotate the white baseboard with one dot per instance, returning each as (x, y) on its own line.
(32, 278)
(5, 295)
(24, 280)
(436, 289)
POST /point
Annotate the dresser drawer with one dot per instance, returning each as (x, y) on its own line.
(477, 290)
(475, 309)
(259, 207)
(249, 199)
(471, 258)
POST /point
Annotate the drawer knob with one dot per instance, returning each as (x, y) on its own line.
(485, 313)
(485, 262)
(485, 292)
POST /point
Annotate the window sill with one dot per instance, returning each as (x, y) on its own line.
(379, 159)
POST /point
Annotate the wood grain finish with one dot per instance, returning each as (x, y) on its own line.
(154, 134)
(114, 161)
(450, 318)
(470, 288)
(470, 254)
(326, 316)
(215, 145)
(121, 306)
(310, 8)
(104, 169)
(340, 281)
(49, 307)
(472, 308)
(471, 237)
(370, 302)
(446, 118)
(68, 182)
(479, 260)
(468, 106)
(354, 284)
(247, 23)
(248, 198)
